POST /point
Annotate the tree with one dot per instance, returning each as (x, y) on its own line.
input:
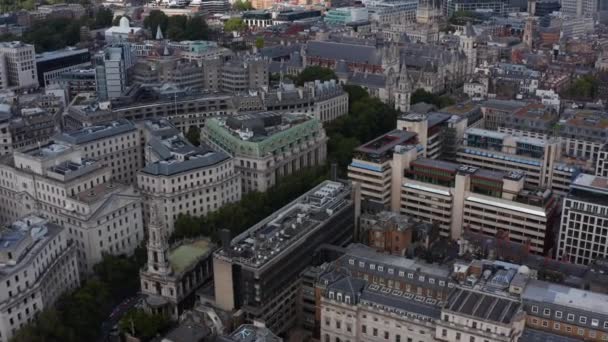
(194, 135)
(313, 73)
(103, 18)
(53, 34)
(234, 24)
(145, 326)
(421, 95)
(242, 5)
(259, 42)
(196, 28)
(156, 18)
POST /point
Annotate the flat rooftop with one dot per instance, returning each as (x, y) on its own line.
(405, 302)
(251, 333)
(49, 150)
(587, 118)
(97, 132)
(368, 255)
(268, 239)
(178, 155)
(387, 142)
(504, 105)
(544, 292)
(50, 55)
(483, 305)
(189, 253)
(98, 192)
(259, 126)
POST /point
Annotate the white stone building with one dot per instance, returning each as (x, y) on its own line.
(183, 178)
(115, 144)
(101, 216)
(17, 66)
(37, 264)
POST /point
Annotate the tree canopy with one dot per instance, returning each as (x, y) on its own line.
(242, 5)
(584, 88)
(194, 135)
(103, 18)
(143, 325)
(78, 316)
(440, 101)
(259, 42)
(313, 73)
(235, 24)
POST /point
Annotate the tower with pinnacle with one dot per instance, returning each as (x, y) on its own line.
(158, 245)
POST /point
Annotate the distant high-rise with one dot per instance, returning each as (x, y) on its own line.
(581, 8)
(112, 66)
(17, 65)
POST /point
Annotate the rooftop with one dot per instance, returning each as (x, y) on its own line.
(50, 55)
(49, 150)
(251, 333)
(387, 142)
(401, 302)
(268, 239)
(504, 105)
(175, 153)
(28, 235)
(483, 305)
(189, 253)
(100, 131)
(366, 254)
(540, 291)
(261, 125)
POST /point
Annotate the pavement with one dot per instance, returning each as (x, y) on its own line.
(116, 315)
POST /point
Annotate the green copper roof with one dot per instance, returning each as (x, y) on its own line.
(274, 143)
(188, 253)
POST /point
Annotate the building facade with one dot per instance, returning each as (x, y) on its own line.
(267, 146)
(38, 266)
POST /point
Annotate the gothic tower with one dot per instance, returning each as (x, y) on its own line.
(403, 91)
(158, 246)
(529, 27)
(469, 47)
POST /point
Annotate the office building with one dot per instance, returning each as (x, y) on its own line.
(78, 81)
(17, 66)
(371, 166)
(267, 145)
(111, 70)
(583, 229)
(38, 266)
(346, 15)
(172, 274)
(240, 75)
(438, 133)
(76, 192)
(580, 8)
(250, 332)
(183, 108)
(566, 311)
(50, 65)
(326, 101)
(257, 272)
(116, 144)
(183, 178)
(498, 7)
(539, 159)
(459, 197)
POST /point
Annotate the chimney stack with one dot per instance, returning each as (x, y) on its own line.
(334, 172)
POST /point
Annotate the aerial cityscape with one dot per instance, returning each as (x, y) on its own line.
(303, 170)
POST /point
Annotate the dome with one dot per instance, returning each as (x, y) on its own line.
(523, 269)
(124, 22)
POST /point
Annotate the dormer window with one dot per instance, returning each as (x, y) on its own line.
(339, 297)
(331, 294)
(347, 299)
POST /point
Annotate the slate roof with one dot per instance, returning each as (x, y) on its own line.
(483, 306)
(345, 51)
(533, 335)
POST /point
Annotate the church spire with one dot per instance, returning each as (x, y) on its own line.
(158, 246)
(159, 33)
